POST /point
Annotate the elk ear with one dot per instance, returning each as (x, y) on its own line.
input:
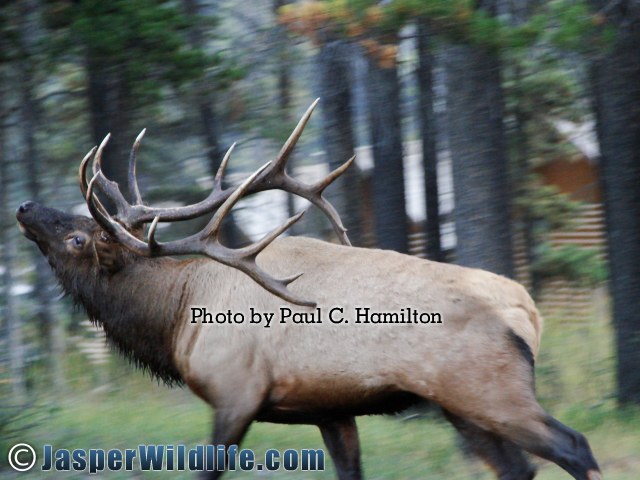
(108, 255)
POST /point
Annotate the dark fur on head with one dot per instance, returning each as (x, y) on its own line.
(117, 288)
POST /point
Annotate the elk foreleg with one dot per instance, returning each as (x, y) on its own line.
(341, 438)
(504, 457)
(229, 428)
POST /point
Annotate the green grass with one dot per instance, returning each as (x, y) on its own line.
(575, 382)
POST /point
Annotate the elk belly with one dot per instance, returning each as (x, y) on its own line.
(287, 315)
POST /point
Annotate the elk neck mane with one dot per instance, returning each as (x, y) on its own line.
(138, 308)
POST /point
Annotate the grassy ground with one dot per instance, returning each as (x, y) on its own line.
(574, 382)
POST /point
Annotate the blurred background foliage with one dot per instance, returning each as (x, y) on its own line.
(495, 134)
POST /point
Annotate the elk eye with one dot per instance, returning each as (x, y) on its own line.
(77, 242)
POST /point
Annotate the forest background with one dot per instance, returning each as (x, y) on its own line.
(455, 109)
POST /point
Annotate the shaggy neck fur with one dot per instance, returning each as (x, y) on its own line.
(137, 307)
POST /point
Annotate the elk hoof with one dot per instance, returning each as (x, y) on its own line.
(594, 475)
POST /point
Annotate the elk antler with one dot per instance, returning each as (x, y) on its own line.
(274, 177)
(271, 176)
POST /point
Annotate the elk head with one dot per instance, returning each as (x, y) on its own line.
(68, 240)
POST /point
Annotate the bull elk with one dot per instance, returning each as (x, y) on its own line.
(476, 362)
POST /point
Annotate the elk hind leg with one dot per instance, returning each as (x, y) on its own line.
(506, 459)
(522, 421)
(498, 397)
(341, 438)
(567, 448)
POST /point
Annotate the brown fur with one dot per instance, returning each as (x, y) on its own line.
(477, 364)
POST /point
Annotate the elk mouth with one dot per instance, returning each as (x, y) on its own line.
(26, 232)
(29, 234)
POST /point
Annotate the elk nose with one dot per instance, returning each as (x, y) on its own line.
(25, 207)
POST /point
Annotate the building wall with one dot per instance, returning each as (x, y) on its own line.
(577, 178)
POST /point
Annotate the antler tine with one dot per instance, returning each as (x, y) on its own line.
(334, 218)
(214, 224)
(82, 179)
(134, 191)
(326, 207)
(273, 285)
(217, 182)
(288, 146)
(329, 179)
(103, 219)
(256, 248)
(313, 193)
(152, 234)
(82, 171)
(97, 160)
(110, 188)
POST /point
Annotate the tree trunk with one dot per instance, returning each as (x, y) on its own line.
(206, 96)
(390, 215)
(284, 92)
(110, 112)
(51, 330)
(480, 167)
(525, 222)
(12, 328)
(429, 151)
(205, 99)
(333, 66)
(617, 101)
